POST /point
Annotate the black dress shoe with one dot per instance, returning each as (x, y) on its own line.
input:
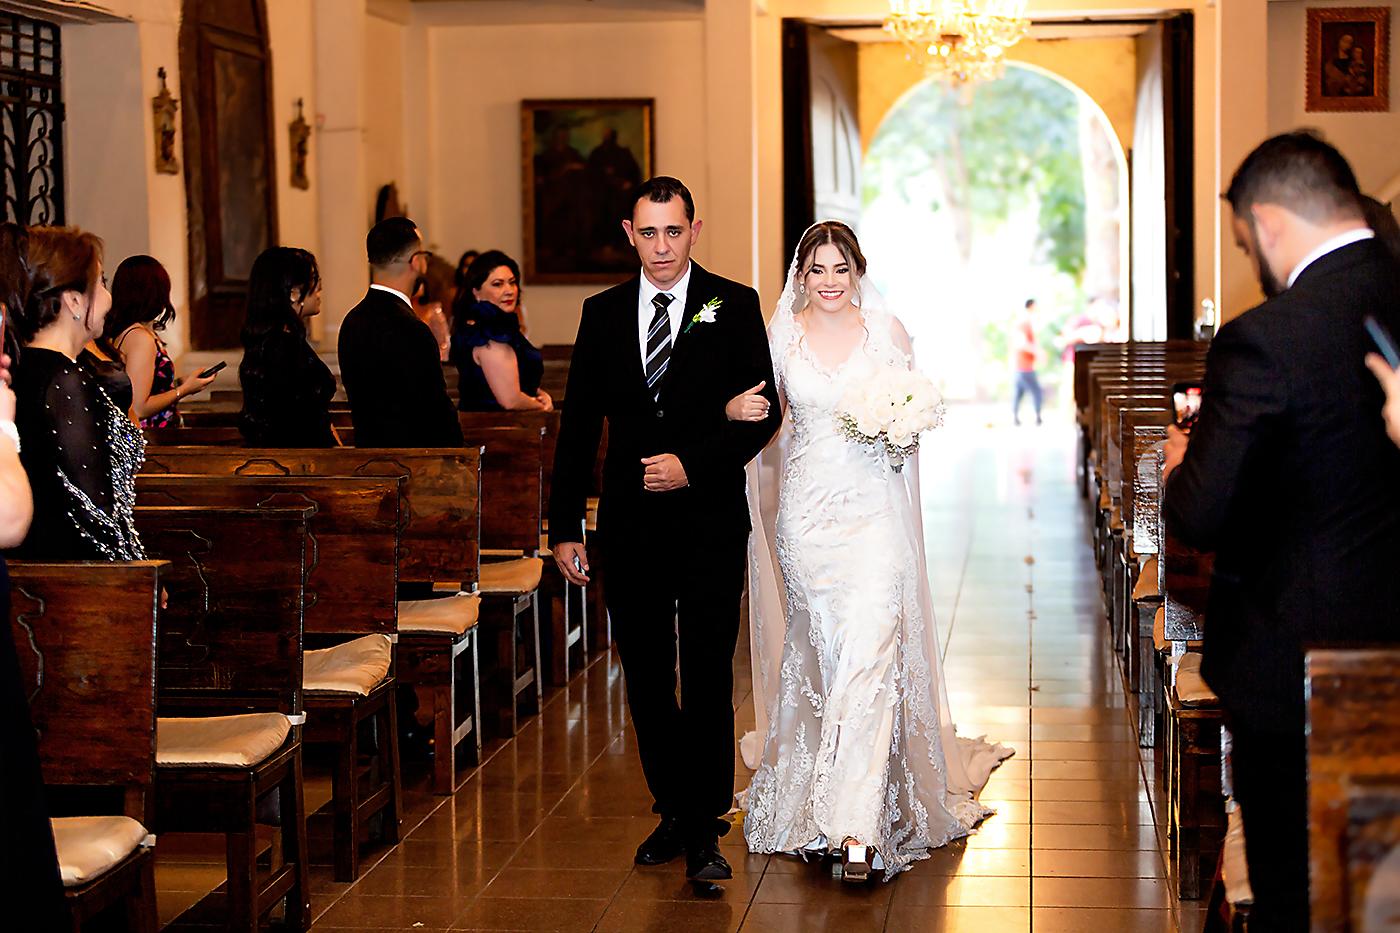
(704, 861)
(666, 842)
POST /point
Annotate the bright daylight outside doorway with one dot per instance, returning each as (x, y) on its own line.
(980, 198)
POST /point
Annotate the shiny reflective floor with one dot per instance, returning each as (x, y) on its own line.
(542, 836)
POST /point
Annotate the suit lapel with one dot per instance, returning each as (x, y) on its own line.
(626, 335)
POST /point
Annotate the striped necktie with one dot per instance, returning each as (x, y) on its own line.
(658, 344)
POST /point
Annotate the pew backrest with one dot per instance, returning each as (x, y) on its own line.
(84, 636)
(1353, 710)
(352, 577)
(440, 538)
(230, 636)
(511, 487)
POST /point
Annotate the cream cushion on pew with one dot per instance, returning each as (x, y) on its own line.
(1147, 580)
(356, 666)
(219, 741)
(451, 615)
(91, 846)
(1234, 867)
(1191, 688)
(510, 577)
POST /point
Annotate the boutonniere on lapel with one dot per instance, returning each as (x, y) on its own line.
(706, 314)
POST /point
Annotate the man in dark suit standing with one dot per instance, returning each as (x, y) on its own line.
(1289, 478)
(389, 358)
(658, 357)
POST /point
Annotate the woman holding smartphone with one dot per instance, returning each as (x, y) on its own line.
(141, 309)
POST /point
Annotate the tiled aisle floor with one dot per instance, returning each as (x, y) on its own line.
(542, 838)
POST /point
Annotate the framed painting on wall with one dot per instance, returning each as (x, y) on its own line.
(1348, 59)
(580, 159)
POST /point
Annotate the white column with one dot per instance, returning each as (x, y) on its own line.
(730, 213)
(1241, 123)
(339, 43)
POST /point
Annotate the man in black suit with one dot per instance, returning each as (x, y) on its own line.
(1289, 478)
(389, 358)
(658, 357)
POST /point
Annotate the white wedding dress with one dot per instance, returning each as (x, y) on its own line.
(848, 687)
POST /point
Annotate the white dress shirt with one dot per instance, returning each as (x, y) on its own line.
(1336, 243)
(395, 292)
(646, 310)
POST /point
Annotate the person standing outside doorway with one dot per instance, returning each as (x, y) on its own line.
(1027, 355)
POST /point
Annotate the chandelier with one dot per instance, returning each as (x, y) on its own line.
(961, 41)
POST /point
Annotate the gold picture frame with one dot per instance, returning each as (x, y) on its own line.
(1348, 59)
(580, 159)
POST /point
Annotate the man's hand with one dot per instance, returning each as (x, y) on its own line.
(1175, 450)
(564, 555)
(1390, 382)
(664, 473)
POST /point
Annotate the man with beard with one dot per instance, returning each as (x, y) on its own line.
(1290, 479)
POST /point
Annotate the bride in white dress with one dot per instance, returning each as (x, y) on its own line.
(858, 751)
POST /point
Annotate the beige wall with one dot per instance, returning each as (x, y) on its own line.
(479, 75)
(1370, 141)
(1104, 69)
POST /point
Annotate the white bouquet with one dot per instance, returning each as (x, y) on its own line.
(890, 411)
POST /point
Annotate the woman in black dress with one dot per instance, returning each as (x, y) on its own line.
(287, 388)
(498, 368)
(81, 451)
(29, 875)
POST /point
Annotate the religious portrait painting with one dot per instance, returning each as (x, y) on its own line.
(1348, 59)
(580, 161)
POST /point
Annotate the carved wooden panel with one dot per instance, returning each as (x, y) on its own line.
(85, 637)
(351, 586)
(230, 163)
(441, 534)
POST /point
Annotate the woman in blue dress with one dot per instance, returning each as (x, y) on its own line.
(499, 369)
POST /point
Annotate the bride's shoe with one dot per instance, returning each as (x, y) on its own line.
(855, 861)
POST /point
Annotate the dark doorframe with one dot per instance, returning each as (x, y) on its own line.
(230, 159)
(799, 204)
(1178, 117)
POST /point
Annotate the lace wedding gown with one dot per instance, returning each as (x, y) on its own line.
(858, 740)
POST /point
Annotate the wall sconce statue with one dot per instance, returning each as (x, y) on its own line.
(301, 146)
(163, 106)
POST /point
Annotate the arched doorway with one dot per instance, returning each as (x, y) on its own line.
(977, 199)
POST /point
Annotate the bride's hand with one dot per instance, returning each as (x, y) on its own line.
(749, 406)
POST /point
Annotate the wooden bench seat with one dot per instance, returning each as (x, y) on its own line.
(230, 644)
(85, 634)
(439, 540)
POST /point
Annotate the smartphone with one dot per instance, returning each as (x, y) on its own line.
(578, 565)
(1384, 342)
(1186, 404)
(217, 367)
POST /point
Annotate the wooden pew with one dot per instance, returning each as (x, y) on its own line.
(438, 543)
(351, 610)
(85, 638)
(564, 633)
(230, 692)
(1353, 701)
(511, 569)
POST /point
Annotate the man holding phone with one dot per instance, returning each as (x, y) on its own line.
(1290, 480)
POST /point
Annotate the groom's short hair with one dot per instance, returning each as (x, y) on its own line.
(663, 189)
(1298, 171)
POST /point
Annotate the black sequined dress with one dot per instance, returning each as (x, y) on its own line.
(81, 453)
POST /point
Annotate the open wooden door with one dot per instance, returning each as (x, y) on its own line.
(821, 130)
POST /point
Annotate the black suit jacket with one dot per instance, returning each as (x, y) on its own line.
(1292, 482)
(710, 364)
(393, 376)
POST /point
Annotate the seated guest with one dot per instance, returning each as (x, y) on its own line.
(31, 879)
(499, 370)
(141, 308)
(388, 358)
(287, 388)
(429, 310)
(81, 451)
(1289, 478)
